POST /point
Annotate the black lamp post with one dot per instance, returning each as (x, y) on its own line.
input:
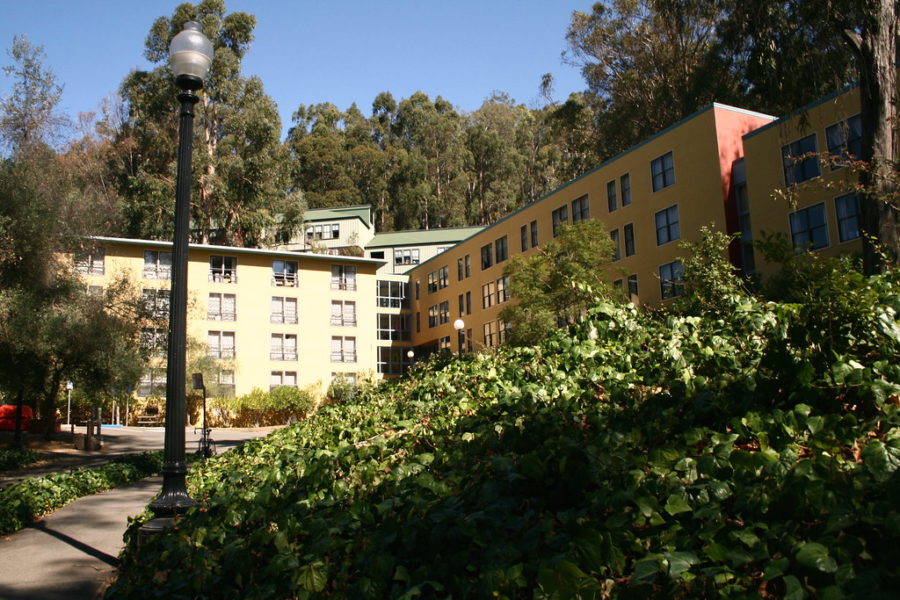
(190, 56)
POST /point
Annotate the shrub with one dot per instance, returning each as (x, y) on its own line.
(17, 458)
(260, 408)
(23, 502)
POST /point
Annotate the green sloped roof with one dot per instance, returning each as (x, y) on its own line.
(422, 237)
(363, 213)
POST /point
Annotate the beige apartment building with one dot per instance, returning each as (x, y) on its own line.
(343, 300)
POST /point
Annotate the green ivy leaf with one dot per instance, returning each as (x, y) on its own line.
(815, 556)
(676, 505)
(313, 576)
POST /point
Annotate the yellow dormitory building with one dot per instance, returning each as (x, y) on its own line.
(345, 300)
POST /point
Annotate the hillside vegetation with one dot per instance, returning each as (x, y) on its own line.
(739, 448)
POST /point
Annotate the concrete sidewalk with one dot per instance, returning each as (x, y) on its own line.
(71, 553)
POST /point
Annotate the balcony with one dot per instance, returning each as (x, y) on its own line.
(343, 357)
(284, 279)
(287, 319)
(343, 284)
(223, 276)
(343, 321)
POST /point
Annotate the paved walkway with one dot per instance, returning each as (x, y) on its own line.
(71, 553)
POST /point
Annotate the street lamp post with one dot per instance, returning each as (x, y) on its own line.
(190, 56)
(458, 325)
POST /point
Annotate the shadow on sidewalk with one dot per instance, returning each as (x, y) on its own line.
(81, 546)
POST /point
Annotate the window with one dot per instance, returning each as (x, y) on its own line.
(346, 378)
(284, 273)
(438, 280)
(221, 307)
(393, 361)
(444, 312)
(462, 305)
(343, 313)
(534, 234)
(581, 210)
(468, 264)
(221, 344)
(662, 170)
(611, 195)
(329, 231)
(444, 344)
(153, 383)
(223, 269)
(378, 254)
(625, 189)
(502, 289)
(154, 340)
(432, 316)
(284, 310)
(441, 249)
(468, 303)
(90, 263)
(748, 262)
(488, 293)
(628, 231)
(279, 379)
(632, 285)
(809, 231)
(459, 269)
(799, 160)
(393, 327)
(502, 332)
(418, 323)
(393, 294)
(614, 236)
(523, 237)
(343, 277)
(670, 279)
(487, 257)
(343, 349)
(224, 383)
(667, 228)
(846, 208)
(844, 141)
(283, 346)
(619, 284)
(156, 303)
(408, 256)
(560, 217)
(417, 289)
(157, 265)
(490, 334)
(501, 249)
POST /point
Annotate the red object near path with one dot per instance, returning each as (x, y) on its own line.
(8, 417)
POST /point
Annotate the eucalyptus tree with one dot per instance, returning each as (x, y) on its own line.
(240, 193)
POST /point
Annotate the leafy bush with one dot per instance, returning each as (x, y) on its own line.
(259, 408)
(723, 453)
(16, 459)
(23, 502)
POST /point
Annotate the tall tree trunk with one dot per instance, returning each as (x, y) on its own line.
(875, 47)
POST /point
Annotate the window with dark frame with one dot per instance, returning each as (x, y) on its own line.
(487, 256)
(846, 208)
(581, 209)
(632, 285)
(560, 218)
(628, 233)
(844, 141)
(800, 160)
(617, 252)
(670, 276)
(534, 234)
(611, 195)
(523, 237)
(667, 226)
(662, 171)
(809, 228)
(625, 189)
(501, 250)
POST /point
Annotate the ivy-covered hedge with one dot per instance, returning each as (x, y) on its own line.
(747, 450)
(17, 458)
(23, 502)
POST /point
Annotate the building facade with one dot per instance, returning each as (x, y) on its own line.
(367, 304)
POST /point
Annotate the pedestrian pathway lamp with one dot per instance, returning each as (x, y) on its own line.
(459, 325)
(190, 56)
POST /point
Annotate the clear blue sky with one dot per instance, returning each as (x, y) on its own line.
(312, 51)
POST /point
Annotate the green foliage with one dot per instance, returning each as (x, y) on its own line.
(558, 281)
(16, 458)
(259, 408)
(634, 455)
(23, 502)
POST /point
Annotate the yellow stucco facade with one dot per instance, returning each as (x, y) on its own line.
(808, 200)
